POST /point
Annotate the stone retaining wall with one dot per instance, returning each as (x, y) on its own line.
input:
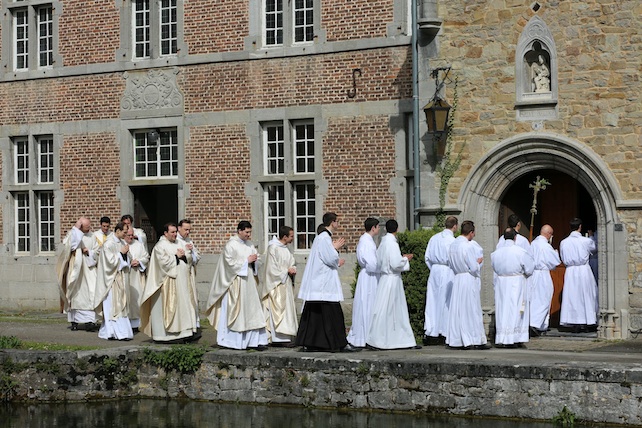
(603, 393)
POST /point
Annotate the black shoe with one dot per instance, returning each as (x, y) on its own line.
(308, 349)
(283, 345)
(533, 332)
(91, 326)
(416, 347)
(180, 341)
(506, 346)
(432, 341)
(483, 347)
(350, 348)
(74, 326)
(372, 348)
(259, 348)
(193, 338)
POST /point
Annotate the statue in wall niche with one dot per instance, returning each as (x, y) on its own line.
(541, 76)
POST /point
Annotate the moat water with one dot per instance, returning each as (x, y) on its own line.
(177, 414)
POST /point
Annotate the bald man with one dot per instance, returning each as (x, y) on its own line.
(76, 272)
(546, 259)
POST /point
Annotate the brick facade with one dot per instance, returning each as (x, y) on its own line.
(299, 81)
(91, 35)
(217, 168)
(70, 99)
(215, 26)
(88, 174)
(358, 155)
(356, 19)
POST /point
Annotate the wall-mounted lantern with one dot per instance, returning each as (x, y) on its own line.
(437, 111)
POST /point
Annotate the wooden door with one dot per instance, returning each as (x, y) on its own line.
(558, 204)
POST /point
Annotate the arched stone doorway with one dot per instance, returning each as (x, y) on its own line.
(564, 199)
(493, 175)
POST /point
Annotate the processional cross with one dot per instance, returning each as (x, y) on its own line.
(539, 184)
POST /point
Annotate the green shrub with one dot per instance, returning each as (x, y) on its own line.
(353, 286)
(565, 418)
(412, 242)
(10, 342)
(8, 387)
(415, 280)
(183, 359)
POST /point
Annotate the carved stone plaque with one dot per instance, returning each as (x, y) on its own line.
(150, 90)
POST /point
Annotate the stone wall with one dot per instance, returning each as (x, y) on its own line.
(594, 61)
(515, 388)
(597, 45)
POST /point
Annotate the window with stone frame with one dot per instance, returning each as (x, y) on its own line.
(32, 190)
(154, 25)
(288, 22)
(155, 153)
(32, 35)
(288, 179)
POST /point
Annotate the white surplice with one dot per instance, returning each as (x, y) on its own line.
(390, 327)
(520, 240)
(320, 282)
(167, 303)
(322, 325)
(512, 265)
(541, 284)
(234, 307)
(593, 261)
(76, 274)
(112, 291)
(365, 292)
(579, 295)
(440, 284)
(141, 236)
(465, 318)
(137, 279)
(277, 293)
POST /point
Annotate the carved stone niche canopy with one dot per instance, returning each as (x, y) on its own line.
(150, 93)
(536, 73)
(428, 20)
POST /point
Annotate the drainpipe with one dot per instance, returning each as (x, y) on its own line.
(415, 115)
(429, 24)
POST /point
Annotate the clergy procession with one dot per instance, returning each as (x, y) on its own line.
(110, 283)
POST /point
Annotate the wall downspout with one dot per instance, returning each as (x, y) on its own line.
(415, 117)
(428, 25)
